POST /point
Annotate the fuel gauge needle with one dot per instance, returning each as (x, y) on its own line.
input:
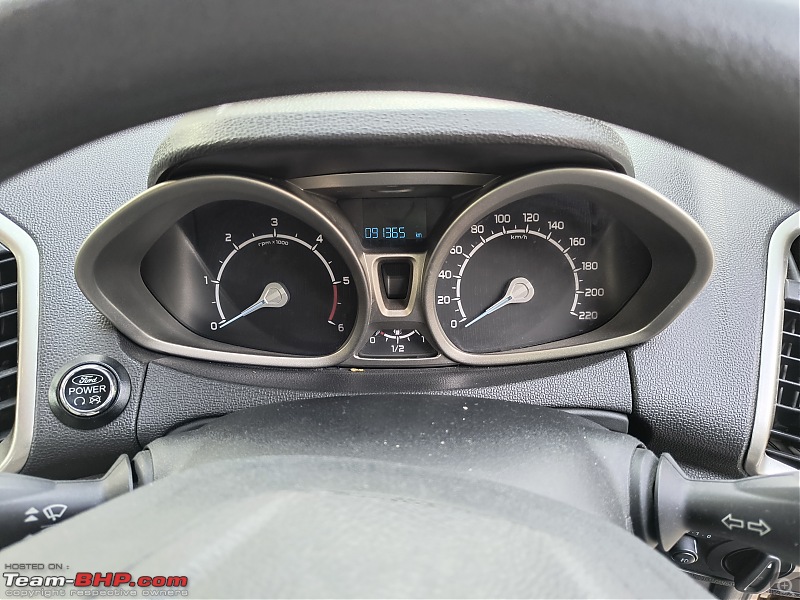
(519, 291)
(273, 296)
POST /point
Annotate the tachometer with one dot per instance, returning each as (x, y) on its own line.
(266, 280)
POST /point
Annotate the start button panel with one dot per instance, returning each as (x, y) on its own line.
(90, 391)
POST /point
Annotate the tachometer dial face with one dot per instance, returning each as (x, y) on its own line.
(535, 271)
(267, 281)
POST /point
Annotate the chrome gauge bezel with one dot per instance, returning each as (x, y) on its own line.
(107, 268)
(655, 220)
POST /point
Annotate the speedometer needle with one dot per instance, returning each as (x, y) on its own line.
(273, 296)
(519, 291)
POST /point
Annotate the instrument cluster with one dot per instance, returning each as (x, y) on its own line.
(395, 269)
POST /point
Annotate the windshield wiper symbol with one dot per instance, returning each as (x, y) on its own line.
(55, 511)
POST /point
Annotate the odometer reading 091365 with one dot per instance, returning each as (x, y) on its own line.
(537, 270)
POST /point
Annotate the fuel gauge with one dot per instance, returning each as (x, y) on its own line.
(397, 343)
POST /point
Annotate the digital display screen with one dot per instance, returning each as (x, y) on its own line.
(394, 221)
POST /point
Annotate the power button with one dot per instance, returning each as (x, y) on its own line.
(90, 391)
(87, 390)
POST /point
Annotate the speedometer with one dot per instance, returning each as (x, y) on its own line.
(560, 263)
(537, 270)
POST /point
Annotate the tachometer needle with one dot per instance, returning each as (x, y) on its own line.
(273, 296)
(519, 291)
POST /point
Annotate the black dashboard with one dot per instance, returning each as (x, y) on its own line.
(673, 382)
(286, 262)
(463, 301)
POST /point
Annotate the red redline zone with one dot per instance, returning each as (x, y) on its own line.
(118, 579)
(335, 301)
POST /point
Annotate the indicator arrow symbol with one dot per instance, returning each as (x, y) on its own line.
(732, 523)
(759, 527)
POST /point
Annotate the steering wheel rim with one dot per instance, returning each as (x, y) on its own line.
(719, 77)
(313, 526)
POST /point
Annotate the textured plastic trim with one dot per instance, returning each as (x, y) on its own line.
(14, 450)
(311, 136)
(756, 462)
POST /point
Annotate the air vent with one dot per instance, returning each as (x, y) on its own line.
(784, 437)
(8, 341)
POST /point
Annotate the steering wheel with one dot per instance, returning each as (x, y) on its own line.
(719, 78)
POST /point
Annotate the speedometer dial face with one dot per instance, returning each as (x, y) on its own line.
(264, 280)
(537, 270)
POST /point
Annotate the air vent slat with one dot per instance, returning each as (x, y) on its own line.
(8, 341)
(784, 438)
(791, 409)
(6, 373)
(788, 397)
(786, 458)
(789, 384)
